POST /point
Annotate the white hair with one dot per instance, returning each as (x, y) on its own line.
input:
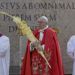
(43, 18)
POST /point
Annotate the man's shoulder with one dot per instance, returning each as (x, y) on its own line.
(72, 37)
(71, 41)
(35, 31)
(4, 37)
(51, 30)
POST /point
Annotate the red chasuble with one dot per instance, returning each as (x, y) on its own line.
(34, 64)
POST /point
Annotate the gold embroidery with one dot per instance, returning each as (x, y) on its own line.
(38, 66)
(47, 54)
(35, 65)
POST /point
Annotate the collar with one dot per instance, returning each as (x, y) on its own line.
(41, 30)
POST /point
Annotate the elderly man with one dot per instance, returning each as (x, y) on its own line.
(71, 51)
(4, 55)
(33, 63)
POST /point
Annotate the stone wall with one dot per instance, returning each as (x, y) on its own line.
(61, 14)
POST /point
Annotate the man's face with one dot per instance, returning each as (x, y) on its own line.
(41, 24)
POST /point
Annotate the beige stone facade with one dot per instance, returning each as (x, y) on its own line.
(61, 14)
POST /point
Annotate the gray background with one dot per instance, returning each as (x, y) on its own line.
(61, 15)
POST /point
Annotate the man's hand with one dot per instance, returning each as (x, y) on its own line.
(36, 45)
